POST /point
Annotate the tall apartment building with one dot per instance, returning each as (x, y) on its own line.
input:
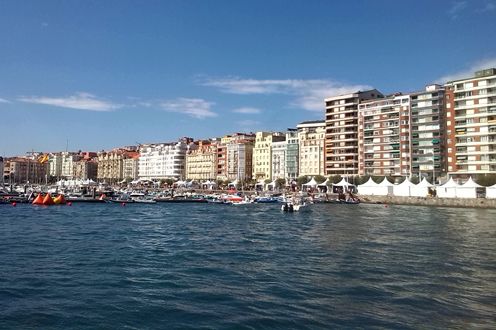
(67, 167)
(471, 124)
(201, 162)
(384, 136)
(279, 150)
(163, 160)
(341, 140)
(311, 137)
(428, 132)
(292, 154)
(262, 154)
(239, 160)
(55, 164)
(235, 157)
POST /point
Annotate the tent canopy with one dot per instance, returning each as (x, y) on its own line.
(311, 183)
(323, 184)
(450, 184)
(385, 183)
(344, 183)
(369, 183)
(470, 184)
(424, 183)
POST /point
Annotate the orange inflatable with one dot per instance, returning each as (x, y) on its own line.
(38, 200)
(48, 200)
(59, 199)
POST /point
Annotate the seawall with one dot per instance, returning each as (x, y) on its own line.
(431, 201)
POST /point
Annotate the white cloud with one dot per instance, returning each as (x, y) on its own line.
(469, 72)
(307, 94)
(196, 108)
(456, 8)
(490, 6)
(247, 110)
(80, 101)
(4, 100)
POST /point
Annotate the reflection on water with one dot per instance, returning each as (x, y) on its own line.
(215, 266)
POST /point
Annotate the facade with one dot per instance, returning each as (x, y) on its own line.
(110, 166)
(221, 162)
(311, 137)
(1, 171)
(131, 166)
(55, 165)
(20, 170)
(279, 150)
(164, 160)
(85, 169)
(471, 124)
(428, 132)
(384, 136)
(67, 164)
(239, 160)
(262, 154)
(292, 155)
(341, 140)
(201, 163)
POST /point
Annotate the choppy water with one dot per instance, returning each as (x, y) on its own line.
(213, 266)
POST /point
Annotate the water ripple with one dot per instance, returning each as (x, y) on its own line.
(213, 266)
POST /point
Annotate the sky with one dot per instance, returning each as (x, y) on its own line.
(95, 75)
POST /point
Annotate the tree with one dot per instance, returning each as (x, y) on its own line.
(319, 178)
(280, 183)
(302, 180)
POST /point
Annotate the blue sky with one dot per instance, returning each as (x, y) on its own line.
(102, 74)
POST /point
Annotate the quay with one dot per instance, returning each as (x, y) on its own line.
(482, 203)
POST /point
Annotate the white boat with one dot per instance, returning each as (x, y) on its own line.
(290, 207)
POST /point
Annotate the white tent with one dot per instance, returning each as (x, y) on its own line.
(180, 183)
(310, 184)
(272, 185)
(345, 185)
(385, 188)
(368, 188)
(448, 190)
(233, 184)
(468, 189)
(421, 189)
(491, 191)
(324, 184)
(404, 188)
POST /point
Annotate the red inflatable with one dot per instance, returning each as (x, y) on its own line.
(48, 200)
(38, 200)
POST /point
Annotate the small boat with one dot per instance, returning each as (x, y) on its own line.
(290, 207)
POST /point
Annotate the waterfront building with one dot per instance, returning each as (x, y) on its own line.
(20, 170)
(240, 160)
(164, 160)
(341, 139)
(2, 181)
(67, 164)
(86, 169)
(384, 136)
(201, 162)
(311, 138)
(279, 150)
(221, 162)
(55, 164)
(292, 155)
(262, 154)
(131, 165)
(111, 164)
(428, 132)
(471, 124)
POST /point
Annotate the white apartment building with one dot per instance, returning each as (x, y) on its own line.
(471, 124)
(239, 160)
(163, 160)
(262, 154)
(384, 136)
(279, 159)
(311, 137)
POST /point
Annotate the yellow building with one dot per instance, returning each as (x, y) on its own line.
(262, 154)
(311, 137)
(201, 163)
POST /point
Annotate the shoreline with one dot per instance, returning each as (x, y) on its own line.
(479, 203)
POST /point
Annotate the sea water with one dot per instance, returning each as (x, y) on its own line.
(218, 266)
